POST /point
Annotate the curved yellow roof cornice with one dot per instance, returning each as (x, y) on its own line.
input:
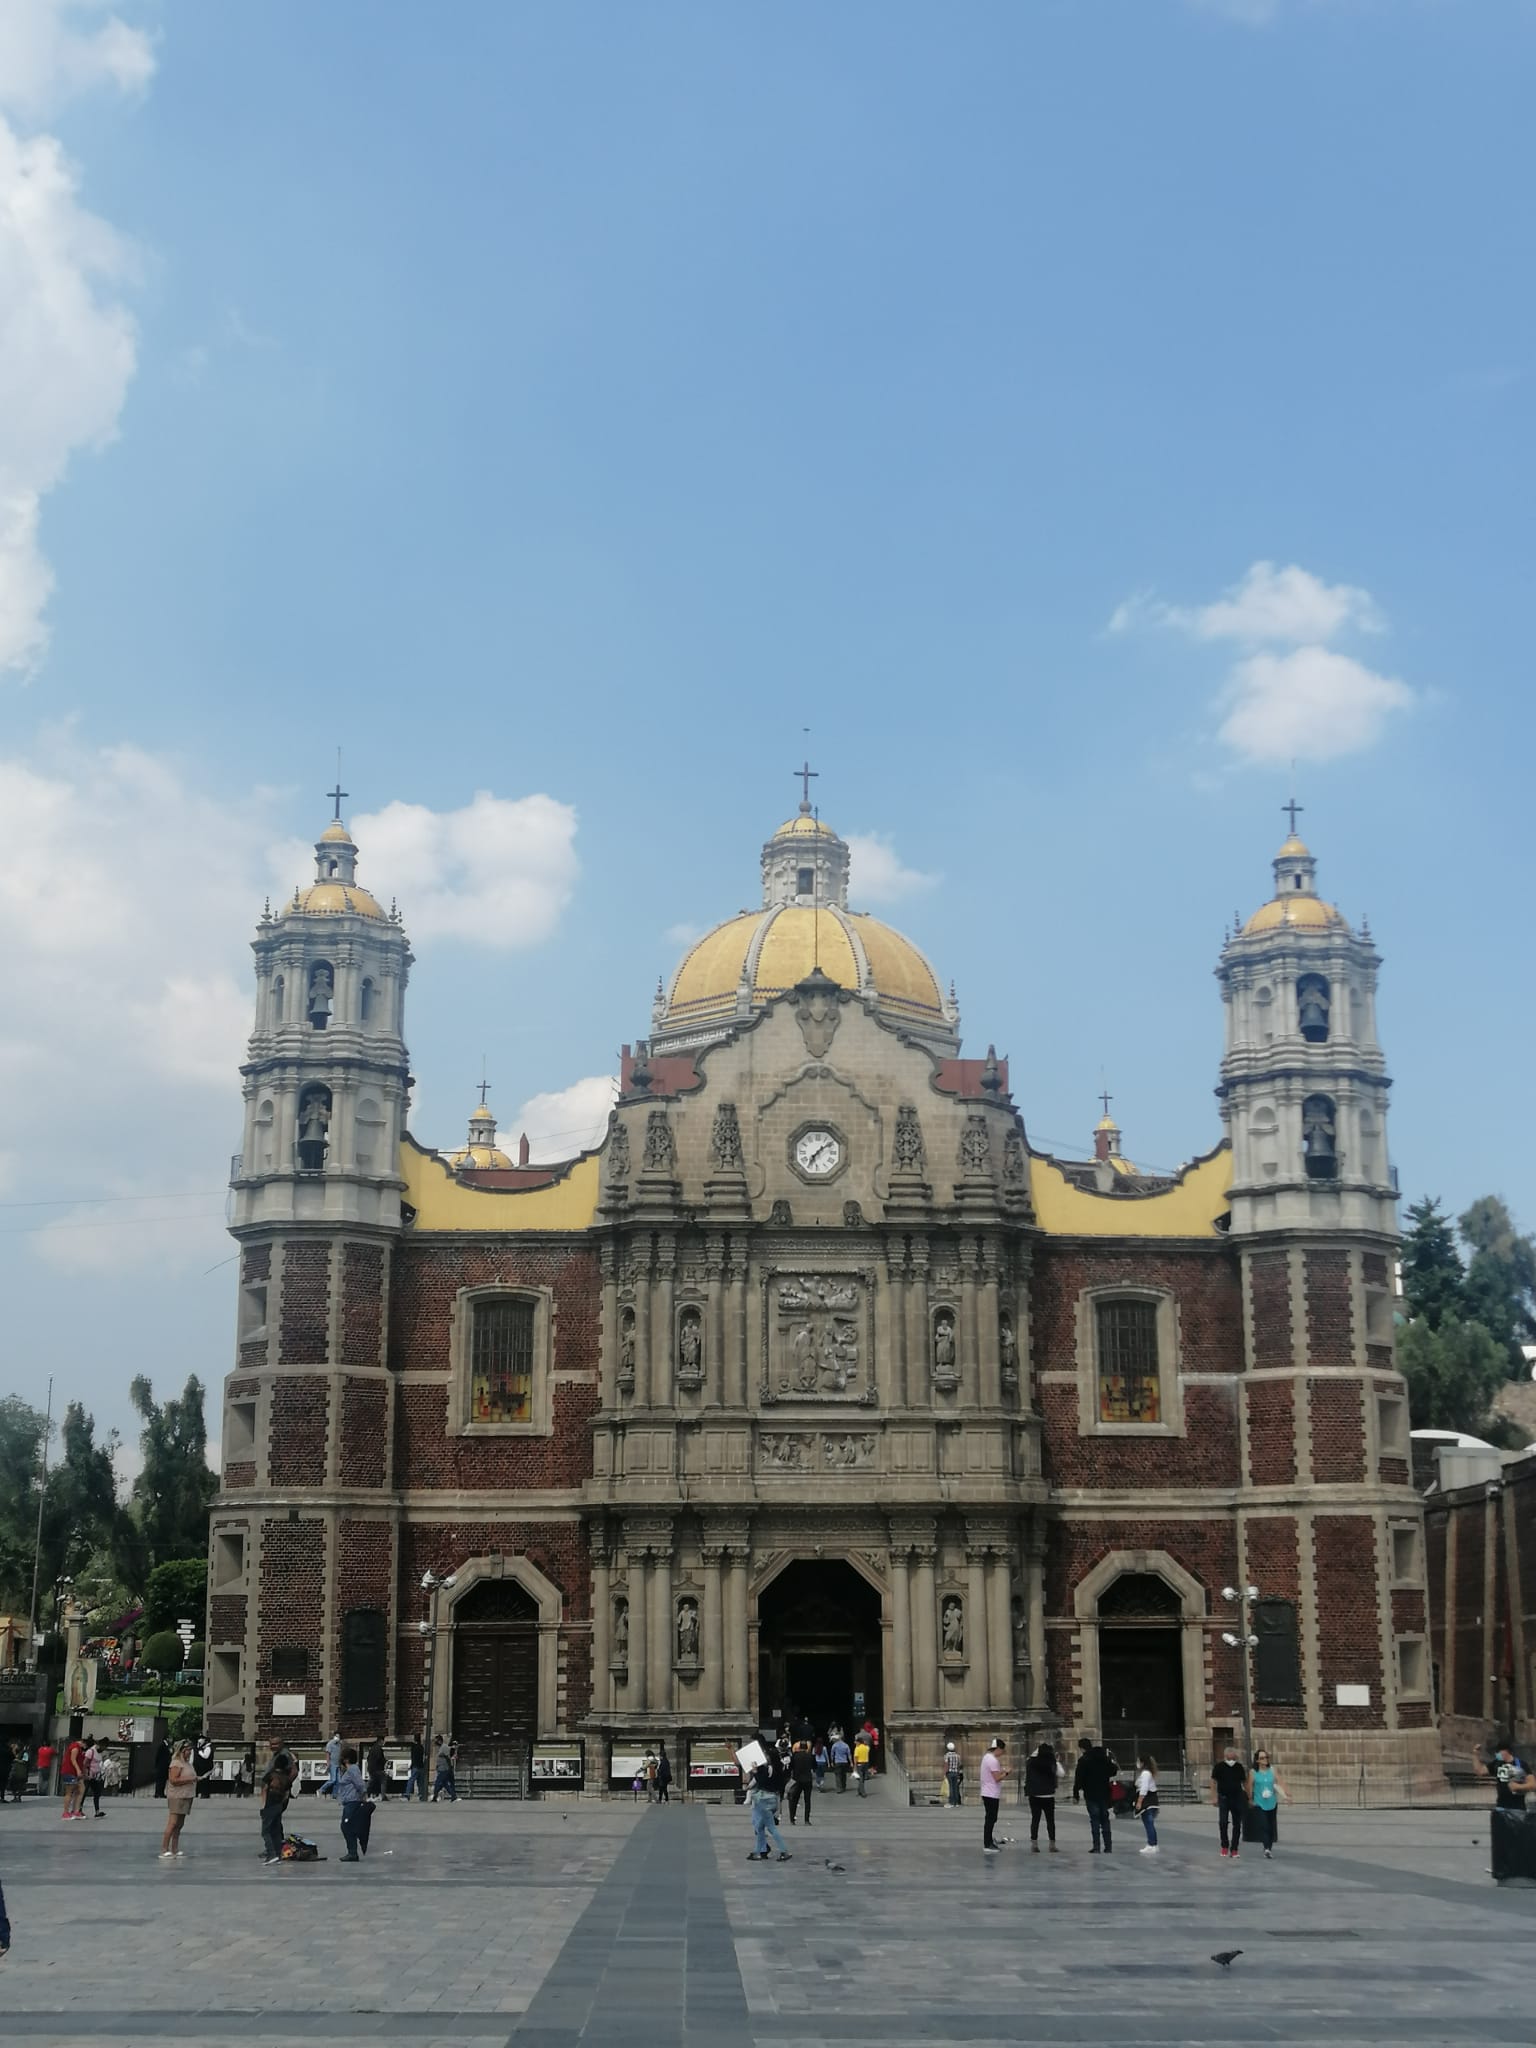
(1188, 1209)
(443, 1202)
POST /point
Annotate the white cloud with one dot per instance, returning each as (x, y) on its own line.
(1308, 704)
(53, 50)
(66, 339)
(681, 935)
(497, 873)
(877, 874)
(1268, 604)
(564, 1121)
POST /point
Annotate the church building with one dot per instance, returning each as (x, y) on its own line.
(816, 1389)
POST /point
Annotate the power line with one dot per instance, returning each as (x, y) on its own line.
(75, 1201)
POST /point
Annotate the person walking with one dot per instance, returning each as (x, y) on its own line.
(332, 1765)
(1146, 1801)
(821, 1762)
(162, 1766)
(1267, 1792)
(842, 1757)
(993, 1772)
(378, 1768)
(17, 1781)
(356, 1806)
(181, 1790)
(954, 1772)
(416, 1779)
(276, 1787)
(802, 1777)
(1095, 1775)
(1042, 1774)
(861, 1760)
(245, 1774)
(443, 1780)
(763, 1798)
(1229, 1792)
(663, 1778)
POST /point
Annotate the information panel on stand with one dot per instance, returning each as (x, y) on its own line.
(626, 1765)
(558, 1763)
(712, 1767)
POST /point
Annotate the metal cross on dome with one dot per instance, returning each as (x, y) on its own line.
(1106, 1098)
(1294, 808)
(336, 796)
(806, 775)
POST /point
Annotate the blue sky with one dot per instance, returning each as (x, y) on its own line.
(578, 402)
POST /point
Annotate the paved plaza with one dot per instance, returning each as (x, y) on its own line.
(615, 1926)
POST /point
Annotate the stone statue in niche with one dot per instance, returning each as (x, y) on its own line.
(690, 1346)
(952, 1626)
(1013, 1159)
(322, 990)
(627, 1345)
(1019, 1614)
(1312, 1007)
(660, 1154)
(907, 1148)
(621, 1633)
(314, 1123)
(975, 1146)
(618, 1149)
(687, 1631)
(781, 1215)
(725, 1139)
(1008, 1351)
(944, 1370)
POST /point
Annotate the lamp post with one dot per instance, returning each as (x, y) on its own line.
(1247, 1642)
(431, 1585)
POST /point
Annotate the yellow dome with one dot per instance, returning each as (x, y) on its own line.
(480, 1157)
(335, 899)
(1294, 849)
(774, 950)
(1308, 913)
(337, 833)
(480, 1114)
(1106, 1123)
(805, 826)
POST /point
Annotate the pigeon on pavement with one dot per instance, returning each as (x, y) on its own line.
(833, 1866)
(1227, 1957)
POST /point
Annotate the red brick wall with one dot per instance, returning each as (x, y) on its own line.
(1394, 1471)
(242, 1390)
(256, 1262)
(1373, 1266)
(1407, 1611)
(1271, 1432)
(1330, 1320)
(292, 1613)
(1379, 1357)
(236, 1476)
(253, 1352)
(226, 1618)
(364, 1443)
(303, 1331)
(362, 1303)
(363, 1579)
(426, 1279)
(558, 1549)
(1338, 1431)
(1473, 1636)
(296, 1438)
(1274, 1566)
(1203, 1278)
(1348, 1616)
(1269, 1279)
(425, 1455)
(1434, 1573)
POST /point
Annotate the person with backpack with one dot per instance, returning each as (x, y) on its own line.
(954, 1771)
(276, 1787)
(1094, 1785)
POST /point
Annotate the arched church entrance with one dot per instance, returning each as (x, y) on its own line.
(1141, 1666)
(496, 1668)
(819, 1646)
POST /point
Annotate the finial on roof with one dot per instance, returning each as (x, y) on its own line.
(991, 1079)
(805, 775)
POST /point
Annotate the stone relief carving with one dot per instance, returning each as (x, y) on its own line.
(618, 1150)
(781, 1216)
(688, 1631)
(660, 1154)
(952, 1626)
(907, 1148)
(725, 1139)
(690, 1347)
(945, 1371)
(853, 1216)
(788, 1453)
(975, 1146)
(818, 1335)
(848, 1453)
(1014, 1169)
(818, 1013)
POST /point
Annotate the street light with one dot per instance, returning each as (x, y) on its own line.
(431, 1585)
(1245, 1641)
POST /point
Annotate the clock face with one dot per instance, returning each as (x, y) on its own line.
(818, 1154)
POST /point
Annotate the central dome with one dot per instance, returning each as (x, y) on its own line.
(804, 924)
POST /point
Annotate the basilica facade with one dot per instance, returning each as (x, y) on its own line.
(815, 1389)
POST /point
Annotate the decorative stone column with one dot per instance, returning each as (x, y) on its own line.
(663, 1631)
(641, 1257)
(602, 1614)
(989, 1316)
(1034, 1596)
(888, 1380)
(968, 1337)
(714, 1317)
(736, 1322)
(1000, 1627)
(712, 1680)
(608, 1263)
(919, 1335)
(901, 1632)
(919, 1537)
(636, 1694)
(978, 1679)
(663, 1321)
(736, 1552)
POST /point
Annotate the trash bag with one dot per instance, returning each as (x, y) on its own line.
(296, 1849)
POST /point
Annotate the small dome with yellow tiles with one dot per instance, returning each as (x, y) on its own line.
(804, 924)
(482, 1150)
(1295, 904)
(335, 891)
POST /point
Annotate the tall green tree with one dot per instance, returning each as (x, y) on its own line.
(82, 1518)
(1453, 1373)
(1434, 1279)
(174, 1488)
(1500, 1286)
(21, 1438)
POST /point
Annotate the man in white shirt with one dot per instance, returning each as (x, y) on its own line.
(993, 1772)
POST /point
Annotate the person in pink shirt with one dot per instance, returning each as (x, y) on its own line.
(993, 1772)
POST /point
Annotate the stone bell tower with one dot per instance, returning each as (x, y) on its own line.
(304, 1509)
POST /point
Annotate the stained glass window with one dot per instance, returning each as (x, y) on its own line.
(1130, 1384)
(501, 1362)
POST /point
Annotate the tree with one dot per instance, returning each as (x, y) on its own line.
(1500, 1286)
(82, 1520)
(21, 1437)
(175, 1487)
(163, 1652)
(177, 1588)
(1433, 1277)
(1453, 1373)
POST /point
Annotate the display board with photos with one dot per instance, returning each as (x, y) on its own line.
(558, 1763)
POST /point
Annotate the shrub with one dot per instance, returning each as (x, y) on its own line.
(176, 1590)
(197, 1656)
(187, 1725)
(162, 1652)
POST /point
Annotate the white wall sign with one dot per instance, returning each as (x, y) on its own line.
(288, 1703)
(1352, 1695)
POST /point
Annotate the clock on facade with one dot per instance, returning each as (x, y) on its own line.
(818, 1154)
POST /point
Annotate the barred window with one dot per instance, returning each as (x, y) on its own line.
(501, 1362)
(1130, 1384)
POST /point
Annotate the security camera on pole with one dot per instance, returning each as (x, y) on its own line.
(1246, 1641)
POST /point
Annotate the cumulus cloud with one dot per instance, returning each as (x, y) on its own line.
(66, 338)
(877, 874)
(563, 1121)
(497, 873)
(1289, 695)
